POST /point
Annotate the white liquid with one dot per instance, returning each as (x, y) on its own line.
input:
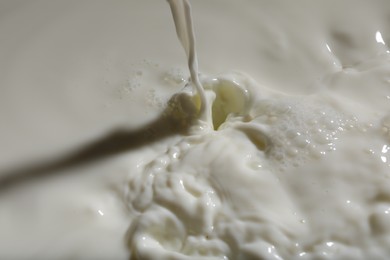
(297, 167)
(181, 11)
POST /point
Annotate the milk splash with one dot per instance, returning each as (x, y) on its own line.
(252, 189)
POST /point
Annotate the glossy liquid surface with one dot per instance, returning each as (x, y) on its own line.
(296, 168)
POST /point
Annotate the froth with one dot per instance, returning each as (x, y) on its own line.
(290, 129)
(300, 127)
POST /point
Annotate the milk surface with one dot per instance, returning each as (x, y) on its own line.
(101, 155)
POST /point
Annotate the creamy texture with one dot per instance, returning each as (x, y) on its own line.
(296, 168)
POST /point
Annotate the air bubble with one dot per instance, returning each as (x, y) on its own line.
(301, 142)
(175, 77)
(292, 152)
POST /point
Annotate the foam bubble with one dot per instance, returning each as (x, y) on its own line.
(175, 77)
(300, 128)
